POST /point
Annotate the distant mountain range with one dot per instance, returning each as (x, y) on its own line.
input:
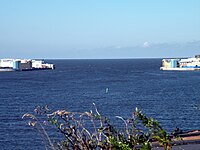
(145, 50)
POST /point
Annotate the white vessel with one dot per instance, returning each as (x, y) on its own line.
(184, 64)
(24, 65)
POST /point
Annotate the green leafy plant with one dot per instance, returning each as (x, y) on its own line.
(90, 130)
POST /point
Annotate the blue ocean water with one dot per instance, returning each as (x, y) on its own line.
(116, 87)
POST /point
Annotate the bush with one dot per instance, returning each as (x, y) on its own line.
(88, 130)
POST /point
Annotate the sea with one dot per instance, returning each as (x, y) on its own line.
(116, 86)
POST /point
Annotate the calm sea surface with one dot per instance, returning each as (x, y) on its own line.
(168, 96)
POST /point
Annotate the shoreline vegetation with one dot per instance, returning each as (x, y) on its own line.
(90, 130)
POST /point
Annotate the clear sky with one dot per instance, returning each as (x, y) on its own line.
(99, 28)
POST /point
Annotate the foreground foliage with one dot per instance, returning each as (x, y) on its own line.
(88, 130)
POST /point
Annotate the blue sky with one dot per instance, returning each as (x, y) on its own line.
(99, 28)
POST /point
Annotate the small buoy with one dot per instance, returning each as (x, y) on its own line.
(106, 90)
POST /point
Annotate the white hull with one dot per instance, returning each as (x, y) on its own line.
(6, 70)
(179, 69)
